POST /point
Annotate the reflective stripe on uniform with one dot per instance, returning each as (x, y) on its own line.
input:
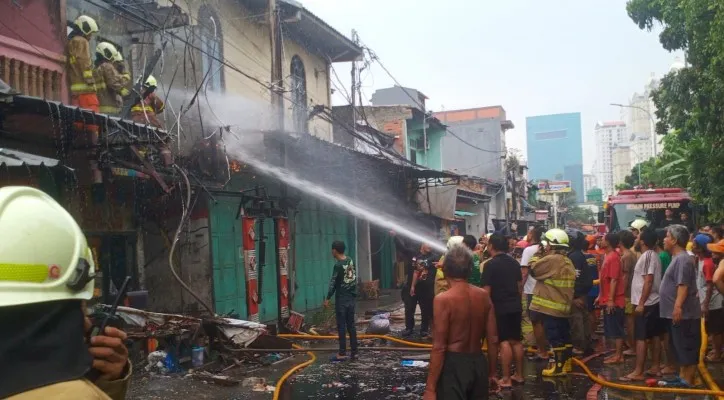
(124, 92)
(83, 88)
(36, 273)
(560, 283)
(140, 109)
(563, 307)
(109, 109)
(88, 74)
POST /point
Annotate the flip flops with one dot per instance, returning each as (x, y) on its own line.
(653, 375)
(627, 378)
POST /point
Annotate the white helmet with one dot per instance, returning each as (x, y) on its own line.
(150, 82)
(454, 241)
(86, 24)
(118, 57)
(44, 255)
(107, 51)
(639, 224)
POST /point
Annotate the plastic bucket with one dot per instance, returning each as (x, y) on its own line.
(197, 357)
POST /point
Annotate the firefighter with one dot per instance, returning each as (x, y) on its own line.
(122, 68)
(47, 273)
(80, 69)
(555, 278)
(110, 84)
(150, 105)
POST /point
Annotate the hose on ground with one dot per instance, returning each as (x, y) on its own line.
(703, 371)
(278, 388)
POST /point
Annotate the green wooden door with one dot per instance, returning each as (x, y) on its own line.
(318, 224)
(227, 257)
(269, 307)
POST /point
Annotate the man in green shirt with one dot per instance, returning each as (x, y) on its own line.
(470, 242)
(343, 285)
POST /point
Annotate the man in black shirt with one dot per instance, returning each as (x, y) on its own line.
(407, 252)
(419, 285)
(580, 326)
(502, 278)
(343, 285)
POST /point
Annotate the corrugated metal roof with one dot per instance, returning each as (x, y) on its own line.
(16, 158)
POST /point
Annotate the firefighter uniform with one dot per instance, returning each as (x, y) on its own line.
(146, 109)
(553, 297)
(110, 84)
(80, 69)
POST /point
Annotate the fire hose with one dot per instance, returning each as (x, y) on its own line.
(713, 391)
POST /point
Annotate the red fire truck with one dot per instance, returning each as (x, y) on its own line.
(649, 204)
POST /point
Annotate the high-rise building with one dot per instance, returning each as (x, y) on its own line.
(620, 164)
(555, 149)
(608, 136)
(589, 182)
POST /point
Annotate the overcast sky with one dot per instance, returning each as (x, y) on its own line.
(532, 57)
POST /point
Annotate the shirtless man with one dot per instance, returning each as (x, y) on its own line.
(464, 317)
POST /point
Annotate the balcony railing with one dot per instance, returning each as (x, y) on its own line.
(31, 80)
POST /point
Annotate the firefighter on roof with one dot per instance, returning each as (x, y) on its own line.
(80, 69)
(110, 84)
(146, 109)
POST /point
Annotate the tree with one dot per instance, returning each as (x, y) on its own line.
(690, 100)
(580, 215)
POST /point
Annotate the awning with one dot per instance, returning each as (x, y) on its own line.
(464, 214)
(16, 158)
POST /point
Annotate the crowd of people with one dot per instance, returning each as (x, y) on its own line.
(649, 287)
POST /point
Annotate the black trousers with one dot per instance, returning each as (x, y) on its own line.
(346, 323)
(424, 296)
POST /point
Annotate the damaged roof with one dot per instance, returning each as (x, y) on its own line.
(310, 31)
(16, 158)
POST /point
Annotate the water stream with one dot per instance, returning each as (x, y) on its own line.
(354, 208)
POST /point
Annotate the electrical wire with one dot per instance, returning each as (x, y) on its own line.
(184, 214)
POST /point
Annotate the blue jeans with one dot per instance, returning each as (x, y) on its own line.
(346, 321)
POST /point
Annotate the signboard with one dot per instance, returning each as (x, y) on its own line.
(283, 250)
(653, 206)
(248, 226)
(541, 215)
(550, 187)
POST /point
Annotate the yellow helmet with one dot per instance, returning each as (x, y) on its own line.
(639, 224)
(118, 57)
(86, 24)
(107, 51)
(44, 255)
(454, 241)
(556, 237)
(150, 82)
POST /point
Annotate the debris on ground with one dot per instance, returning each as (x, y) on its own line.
(414, 363)
(218, 379)
(379, 324)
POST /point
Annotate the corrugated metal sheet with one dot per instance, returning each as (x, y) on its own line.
(16, 158)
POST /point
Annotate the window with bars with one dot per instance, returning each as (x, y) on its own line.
(212, 49)
(299, 94)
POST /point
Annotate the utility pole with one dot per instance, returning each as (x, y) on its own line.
(277, 86)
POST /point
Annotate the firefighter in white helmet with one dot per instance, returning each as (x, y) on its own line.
(638, 225)
(555, 278)
(46, 274)
(110, 83)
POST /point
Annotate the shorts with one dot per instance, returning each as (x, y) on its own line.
(613, 323)
(649, 325)
(591, 303)
(685, 341)
(630, 308)
(534, 316)
(715, 322)
(463, 376)
(509, 326)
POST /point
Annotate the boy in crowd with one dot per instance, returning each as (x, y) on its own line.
(628, 262)
(648, 326)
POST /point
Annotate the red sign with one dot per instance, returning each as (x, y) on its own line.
(283, 249)
(249, 246)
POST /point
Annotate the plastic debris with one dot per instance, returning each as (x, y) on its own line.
(379, 324)
(414, 363)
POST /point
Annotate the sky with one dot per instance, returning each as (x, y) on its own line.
(532, 57)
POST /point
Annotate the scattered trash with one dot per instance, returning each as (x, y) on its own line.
(218, 379)
(414, 363)
(253, 382)
(335, 384)
(418, 388)
(197, 356)
(379, 324)
(156, 362)
(423, 357)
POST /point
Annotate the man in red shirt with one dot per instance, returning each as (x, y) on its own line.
(612, 298)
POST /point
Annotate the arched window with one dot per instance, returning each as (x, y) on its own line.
(212, 48)
(299, 94)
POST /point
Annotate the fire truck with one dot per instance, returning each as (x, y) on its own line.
(650, 204)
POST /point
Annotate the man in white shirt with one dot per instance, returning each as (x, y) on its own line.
(536, 319)
(648, 326)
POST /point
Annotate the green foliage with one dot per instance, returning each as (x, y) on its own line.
(580, 215)
(689, 101)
